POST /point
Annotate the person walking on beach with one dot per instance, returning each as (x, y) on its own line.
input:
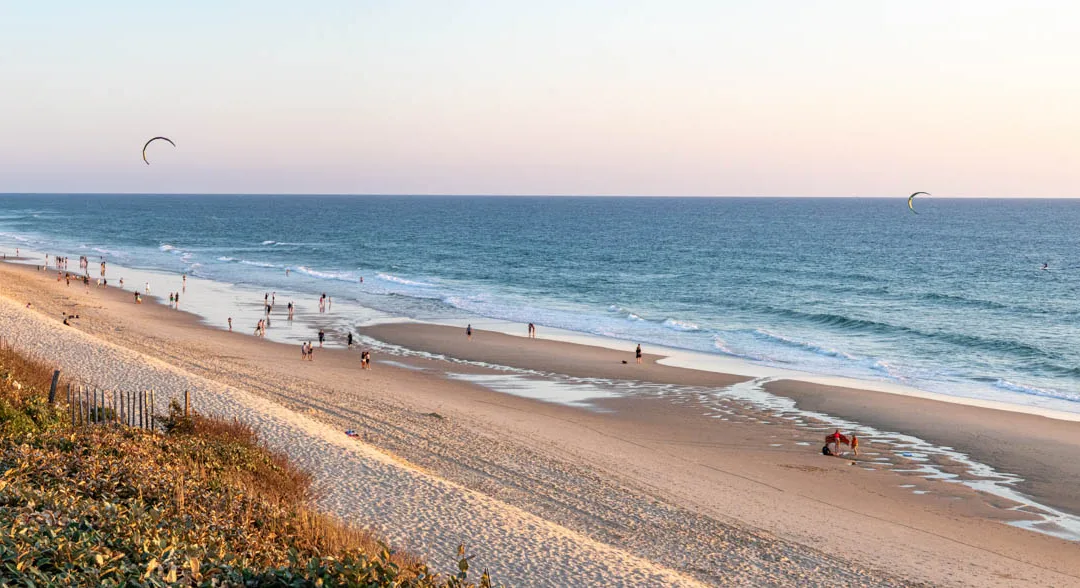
(322, 337)
(532, 331)
(350, 339)
(637, 353)
(303, 351)
(170, 299)
(310, 351)
(230, 324)
(177, 300)
(184, 280)
(854, 441)
(290, 310)
(148, 287)
(468, 332)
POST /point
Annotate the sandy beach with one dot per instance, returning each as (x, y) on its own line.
(653, 478)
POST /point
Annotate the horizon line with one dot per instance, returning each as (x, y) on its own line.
(494, 195)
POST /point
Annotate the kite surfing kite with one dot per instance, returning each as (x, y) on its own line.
(910, 200)
(151, 141)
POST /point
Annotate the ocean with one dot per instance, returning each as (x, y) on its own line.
(952, 300)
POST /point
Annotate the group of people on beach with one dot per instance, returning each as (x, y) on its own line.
(307, 351)
(834, 440)
(324, 303)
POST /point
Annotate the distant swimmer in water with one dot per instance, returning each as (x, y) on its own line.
(1045, 266)
(468, 332)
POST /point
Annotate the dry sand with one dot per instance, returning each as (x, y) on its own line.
(553, 494)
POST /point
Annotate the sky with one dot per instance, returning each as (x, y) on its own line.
(579, 97)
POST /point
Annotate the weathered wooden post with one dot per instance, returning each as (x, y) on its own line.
(52, 388)
(187, 404)
(71, 405)
(153, 423)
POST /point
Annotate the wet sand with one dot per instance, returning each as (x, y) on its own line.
(1043, 451)
(655, 477)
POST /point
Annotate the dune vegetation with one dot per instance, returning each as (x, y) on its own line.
(200, 502)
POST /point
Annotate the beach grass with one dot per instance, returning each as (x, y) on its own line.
(202, 504)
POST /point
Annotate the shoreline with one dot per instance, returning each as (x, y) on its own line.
(623, 462)
(1036, 448)
(209, 313)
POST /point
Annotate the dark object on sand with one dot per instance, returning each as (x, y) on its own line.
(825, 450)
(624, 361)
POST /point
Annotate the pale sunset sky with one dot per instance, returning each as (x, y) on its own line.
(708, 97)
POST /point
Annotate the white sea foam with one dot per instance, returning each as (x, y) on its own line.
(257, 263)
(681, 325)
(1033, 390)
(339, 276)
(807, 345)
(399, 280)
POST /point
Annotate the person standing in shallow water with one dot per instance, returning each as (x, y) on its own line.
(637, 353)
(322, 337)
(468, 332)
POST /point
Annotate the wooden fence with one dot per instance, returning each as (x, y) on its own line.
(89, 405)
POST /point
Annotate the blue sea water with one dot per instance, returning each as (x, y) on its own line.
(950, 299)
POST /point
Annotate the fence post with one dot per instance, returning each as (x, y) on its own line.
(71, 405)
(153, 424)
(187, 404)
(142, 409)
(52, 388)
